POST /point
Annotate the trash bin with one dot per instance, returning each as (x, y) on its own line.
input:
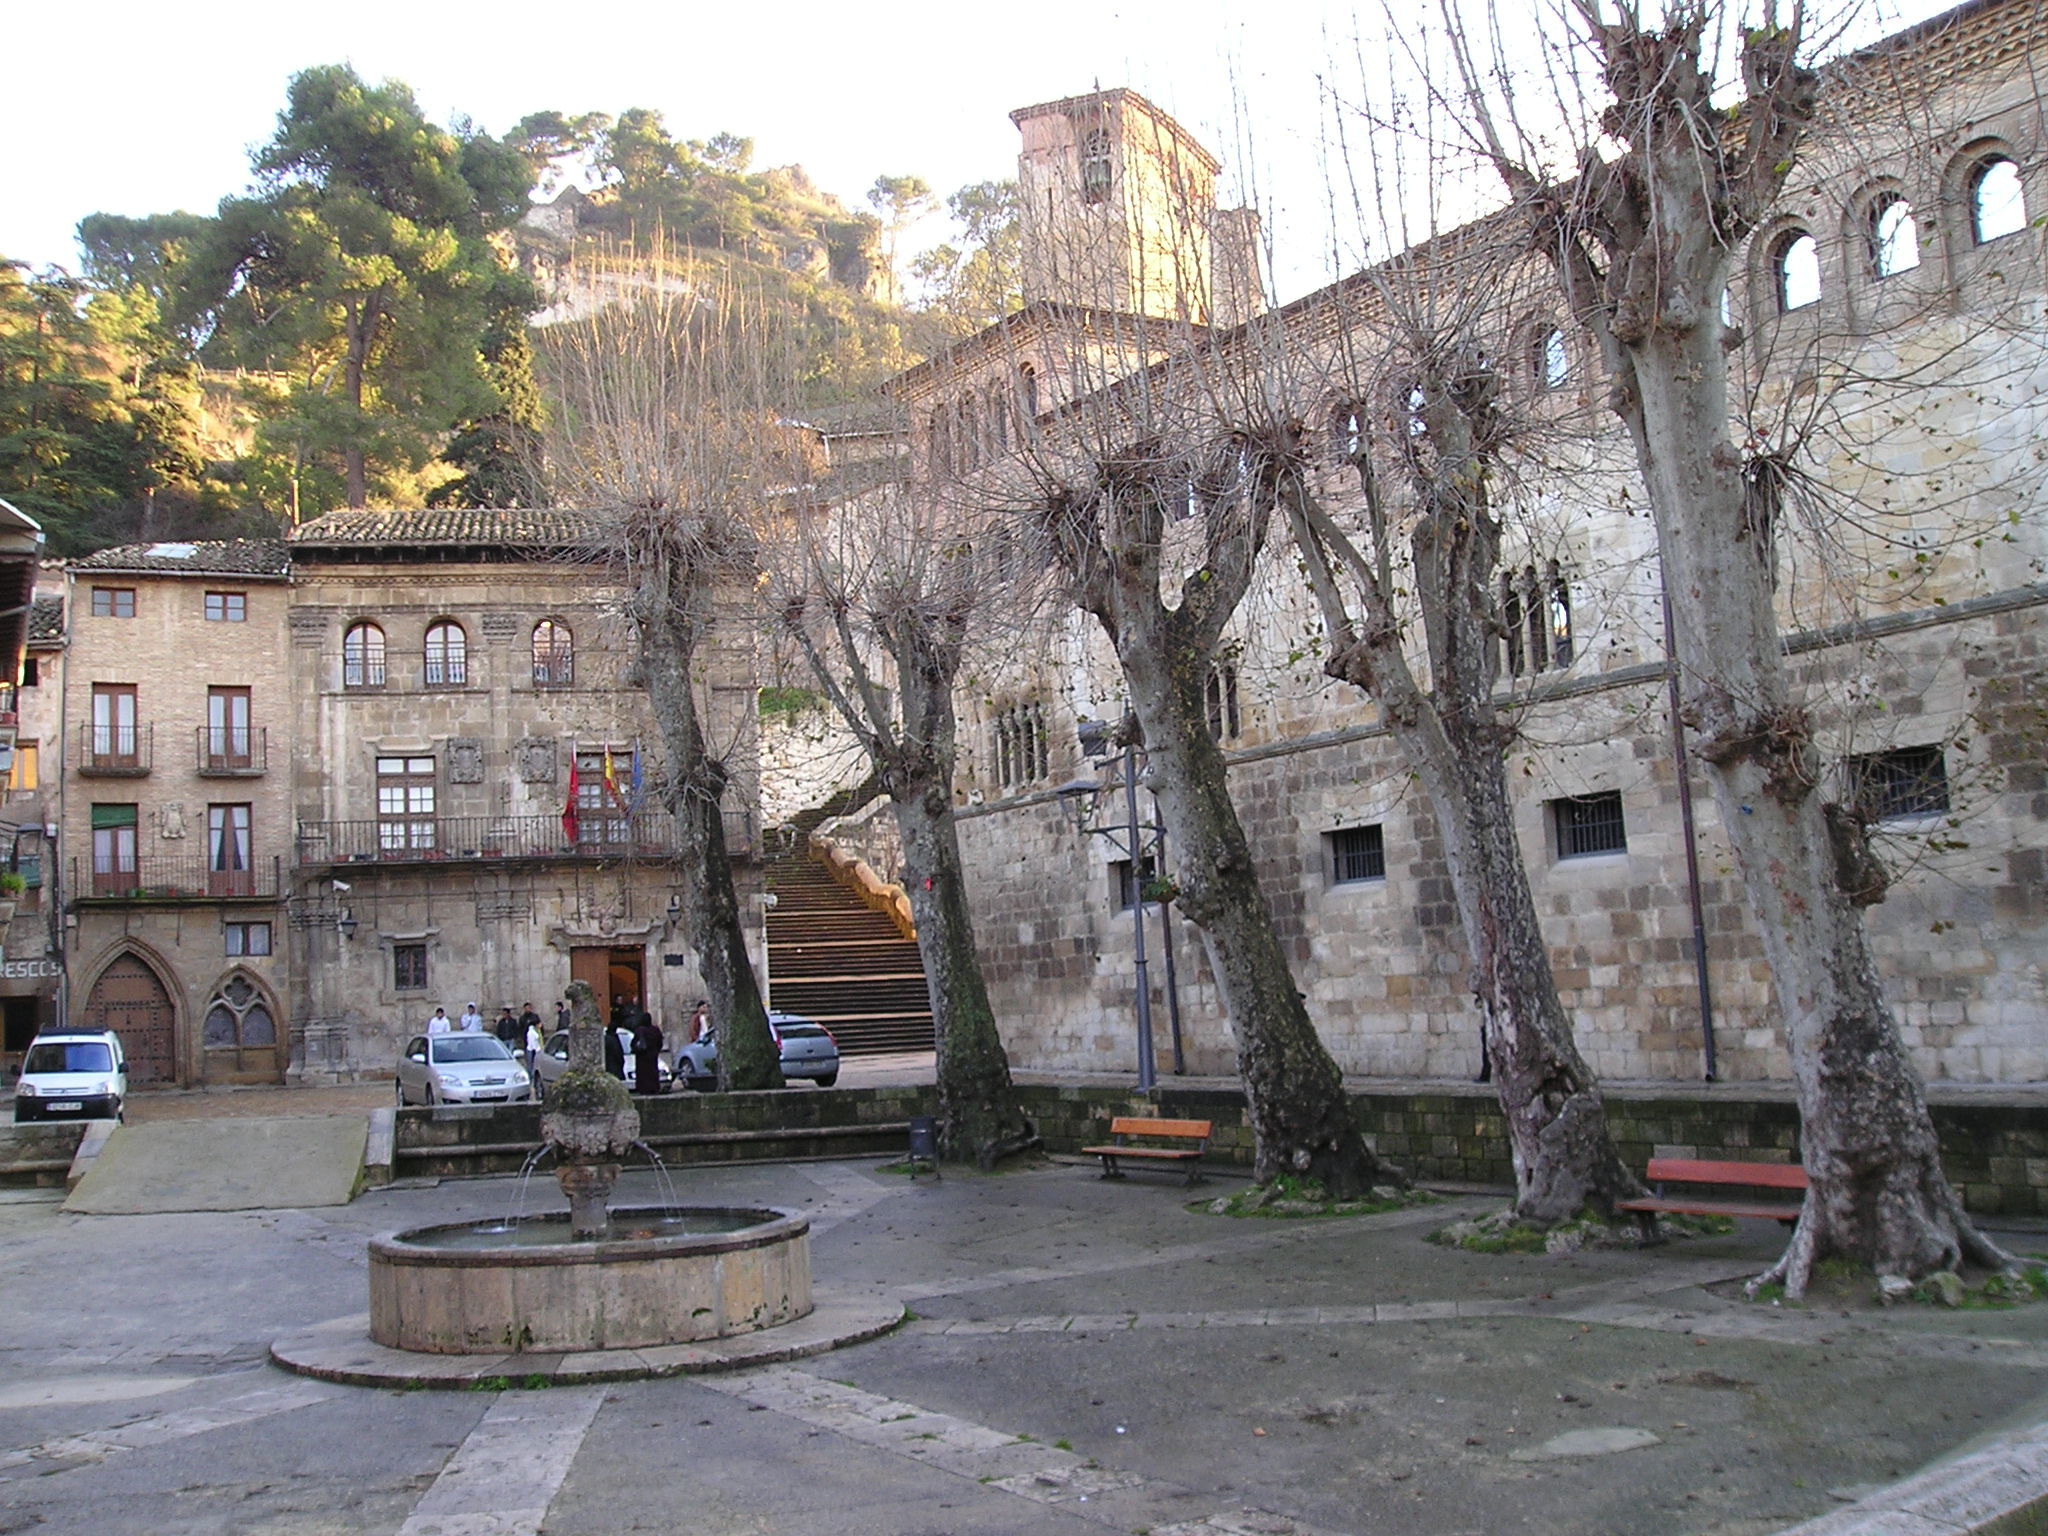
(924, 1143)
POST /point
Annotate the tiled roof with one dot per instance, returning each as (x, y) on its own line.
(215, 557)
(45, 620)
(518, 527)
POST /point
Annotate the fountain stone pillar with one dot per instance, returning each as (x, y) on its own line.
(590, 1120)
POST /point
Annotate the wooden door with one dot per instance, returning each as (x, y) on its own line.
(129, 1000)
(594, 965)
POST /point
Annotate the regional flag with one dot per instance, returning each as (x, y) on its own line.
(569, 822)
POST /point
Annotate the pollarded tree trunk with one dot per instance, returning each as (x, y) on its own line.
(1564, 1156)
(923, 624)
(980, 1118)
(1107, 538)
(1667, 217)
(1302, 1118)
(671, 623)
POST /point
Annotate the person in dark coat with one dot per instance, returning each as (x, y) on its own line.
(614, 1054)
(506, 1028)
(647, 1053)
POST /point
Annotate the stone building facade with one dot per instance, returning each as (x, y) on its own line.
(301, 792)
(1910, 250)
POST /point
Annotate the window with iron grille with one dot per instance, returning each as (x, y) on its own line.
(1357, 853)
(1589, 824)
(408, 967)
(1901, 783)
(1126, 889)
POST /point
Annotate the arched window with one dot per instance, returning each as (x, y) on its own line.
(1550, 360)
(1894, 236)
(362, 657)
(1998, 204)
(942, 441)
(1095, 166)
(1414, 401)
(1027, 391)
(1347, 432)
(1796, 267)
(999, 418)
(238, 1017)
(969, 435)
(447, 655)
(554, 655)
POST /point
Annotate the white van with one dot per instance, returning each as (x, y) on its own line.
(72, 1074)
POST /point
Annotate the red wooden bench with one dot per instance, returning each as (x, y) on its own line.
(1187, 1140)
(1697, 1173)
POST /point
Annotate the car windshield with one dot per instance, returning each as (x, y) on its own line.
(68, 1056)
(800, 1031)
(451, 1048)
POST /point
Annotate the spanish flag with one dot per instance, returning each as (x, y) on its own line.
(611, 782)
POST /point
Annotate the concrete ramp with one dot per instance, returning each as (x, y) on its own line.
(224, 1165)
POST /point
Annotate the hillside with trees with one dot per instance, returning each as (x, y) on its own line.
(356, 327)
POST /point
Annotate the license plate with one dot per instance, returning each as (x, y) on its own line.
(63, 1104)
(486, 1098)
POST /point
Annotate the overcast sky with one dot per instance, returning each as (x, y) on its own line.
(143, 108)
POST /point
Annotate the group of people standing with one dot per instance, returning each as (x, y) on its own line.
(630, 1023)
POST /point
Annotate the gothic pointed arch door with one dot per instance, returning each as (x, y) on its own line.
(129, 998)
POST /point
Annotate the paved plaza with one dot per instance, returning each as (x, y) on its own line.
(1082, 1357)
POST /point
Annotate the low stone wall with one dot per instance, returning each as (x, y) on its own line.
(38, 1156)
(1996, 1150)
(682, 1128)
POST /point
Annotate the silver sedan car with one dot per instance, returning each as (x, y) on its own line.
(553, 1061)
(806, 1048)
(461, 1069)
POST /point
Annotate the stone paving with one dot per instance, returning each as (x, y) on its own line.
(1083, 1357)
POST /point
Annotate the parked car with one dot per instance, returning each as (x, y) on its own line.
(554, 1061)
(73, 1074)
(461, 1069)
(807, 1050)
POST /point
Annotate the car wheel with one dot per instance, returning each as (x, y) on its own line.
(400, 1085)
(433, 1098)
(828, 1079)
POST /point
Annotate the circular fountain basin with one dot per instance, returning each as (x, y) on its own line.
(660, 1276)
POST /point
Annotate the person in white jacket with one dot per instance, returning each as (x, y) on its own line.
(440, 1023)
(472, 1022)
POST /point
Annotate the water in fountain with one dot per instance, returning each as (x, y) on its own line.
(526, 1170)
(661, 1172)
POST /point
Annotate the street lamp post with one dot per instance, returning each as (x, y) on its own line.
(1079, 800)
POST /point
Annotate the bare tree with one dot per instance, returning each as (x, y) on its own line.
(1411, 381)
(1155, 527)
(892, 589)
(665, 428)
(1643, 244)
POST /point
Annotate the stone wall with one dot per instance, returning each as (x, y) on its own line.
(807, 756)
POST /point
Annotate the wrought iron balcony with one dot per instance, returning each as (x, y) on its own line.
(231, 751)
(173, 879)
(646, 835)
(115, 751)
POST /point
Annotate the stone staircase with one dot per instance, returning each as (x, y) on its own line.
(832, 959)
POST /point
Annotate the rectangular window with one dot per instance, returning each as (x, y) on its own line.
(227, 728)
(227, 607)
(1356, 854)
(115, 740)
(113, 602)
(31, 671)
(1126, 891)
(1901, 783)
(229, 861)
(248, 939)
(408, 967)
(113, 849)
(405, 804)
(1589, 824)
(1222, 702)
(24, 776)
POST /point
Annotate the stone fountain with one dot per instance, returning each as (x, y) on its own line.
(613, 1280)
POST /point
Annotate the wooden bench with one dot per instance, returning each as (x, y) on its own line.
(1188, 1138)
(1685, 1170)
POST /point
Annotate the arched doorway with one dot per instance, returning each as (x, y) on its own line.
(129, 999)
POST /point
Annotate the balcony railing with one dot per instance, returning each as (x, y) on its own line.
(231, 751)
(115, 751)
(173, 879)
(449, 839)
